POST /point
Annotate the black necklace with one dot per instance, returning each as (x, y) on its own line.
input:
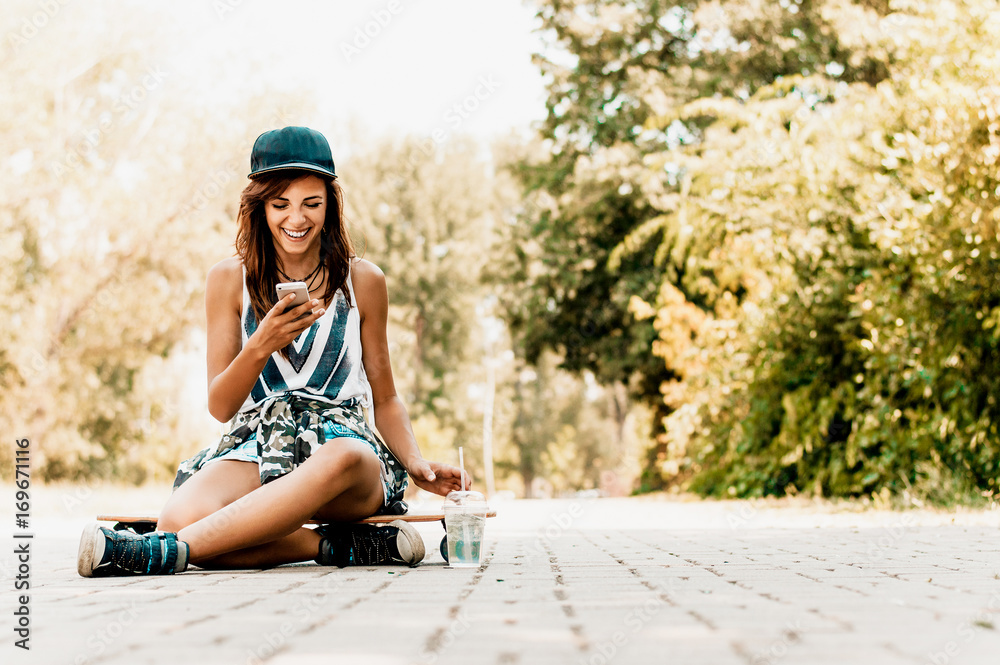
(309, 279)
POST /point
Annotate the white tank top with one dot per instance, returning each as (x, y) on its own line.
(325, 360)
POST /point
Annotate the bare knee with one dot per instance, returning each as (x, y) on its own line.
(175, 518)
(340, 460)
(181, 512)
(211, 489)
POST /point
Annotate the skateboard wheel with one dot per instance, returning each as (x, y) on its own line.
(444, 547)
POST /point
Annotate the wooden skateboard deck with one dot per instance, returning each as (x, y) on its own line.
(147, 523)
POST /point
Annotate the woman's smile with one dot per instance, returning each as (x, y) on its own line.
(295, 214)
(296, 236)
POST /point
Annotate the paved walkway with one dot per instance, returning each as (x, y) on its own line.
(585, 582)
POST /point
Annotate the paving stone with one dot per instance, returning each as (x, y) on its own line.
(623, 581)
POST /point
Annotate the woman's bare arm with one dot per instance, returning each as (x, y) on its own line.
(232, 368)
(391, 418)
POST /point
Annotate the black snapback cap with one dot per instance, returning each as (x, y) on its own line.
(297, 148)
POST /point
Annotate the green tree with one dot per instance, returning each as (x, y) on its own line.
(612, 66)
(111, 212)
(426, 213)
(873, 370)
(801, 170)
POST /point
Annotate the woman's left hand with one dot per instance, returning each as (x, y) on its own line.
(437, 477)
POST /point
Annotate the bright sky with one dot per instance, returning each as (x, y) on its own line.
(399, 66)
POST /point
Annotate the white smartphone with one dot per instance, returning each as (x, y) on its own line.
(300, 290)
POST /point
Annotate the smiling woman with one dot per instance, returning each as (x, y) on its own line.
(284, 236)
(283, 211)
(304, 203)
(300, 379)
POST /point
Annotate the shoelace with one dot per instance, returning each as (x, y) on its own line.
(152, 554)
(361, 545)
(372, 547)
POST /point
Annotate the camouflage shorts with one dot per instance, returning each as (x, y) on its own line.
(287, 430)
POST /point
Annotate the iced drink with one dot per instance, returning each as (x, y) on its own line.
(465, 522)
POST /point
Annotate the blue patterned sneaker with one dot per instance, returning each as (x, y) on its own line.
(105, 552)
(397, 543)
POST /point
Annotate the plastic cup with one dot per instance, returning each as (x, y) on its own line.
(465, 523)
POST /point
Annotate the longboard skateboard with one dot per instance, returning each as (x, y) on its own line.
(146, 523)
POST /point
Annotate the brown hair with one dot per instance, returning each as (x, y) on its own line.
(255, 246)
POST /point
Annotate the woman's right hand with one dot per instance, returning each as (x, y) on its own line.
(282, 324)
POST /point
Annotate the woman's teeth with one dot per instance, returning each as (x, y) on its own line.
(293, 234)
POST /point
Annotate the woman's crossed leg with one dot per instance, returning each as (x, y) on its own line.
(229, 520)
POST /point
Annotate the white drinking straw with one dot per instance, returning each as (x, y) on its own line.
(461, 463)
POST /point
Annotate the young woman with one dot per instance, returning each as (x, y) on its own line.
(299, 378)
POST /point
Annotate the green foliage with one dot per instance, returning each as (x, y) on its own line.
(425, 214)
(426, 217)
(564, 296)
(817, 184)
(569, 434)
(874, 367)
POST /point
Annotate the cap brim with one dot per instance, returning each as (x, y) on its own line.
(294, 166)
